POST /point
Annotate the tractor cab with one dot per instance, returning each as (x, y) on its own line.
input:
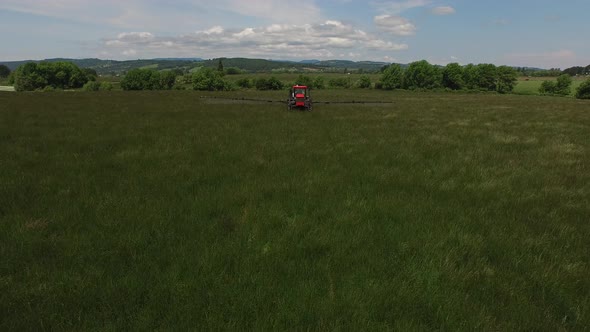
(300, 91)
(299, 97)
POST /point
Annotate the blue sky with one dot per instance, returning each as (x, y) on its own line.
(540, 33)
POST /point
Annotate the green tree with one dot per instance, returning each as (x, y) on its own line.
(233, 71)
(141, 79)
(341, 82)
(207, 79)
(561, 87)
(453, 76)
(220, 66)
(167, 79)
(507, 79)
(470, 77)
(392, 77)
(364, 82)
(178, 72)
(4, 71)
(274, 84)
(583, 91)
(97, 86)
(261, 84)
(487, 78)
(422, 75)
(90, 74)
(106, 86)
(564, 85)
(548, 88)
(305, 80)
(58, 75)
(244, 82)
(91, 86)
(574, 71)
(27, 77)
(319, 83)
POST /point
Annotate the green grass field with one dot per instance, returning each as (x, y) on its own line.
(164, 210)
(531, 87)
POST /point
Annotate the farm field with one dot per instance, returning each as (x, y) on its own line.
(165, 210)
(531, 87)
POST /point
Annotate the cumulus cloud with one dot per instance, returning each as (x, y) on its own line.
(274, 41)
(396, 25)
(280, 33)
(443, 10)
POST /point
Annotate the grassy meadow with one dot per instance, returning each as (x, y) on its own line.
(165, 210)
(530, 86)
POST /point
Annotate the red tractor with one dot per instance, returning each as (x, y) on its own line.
(299, 98)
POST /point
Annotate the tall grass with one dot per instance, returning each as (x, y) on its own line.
(163, 210)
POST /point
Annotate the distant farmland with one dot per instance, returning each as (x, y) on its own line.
(165, 210)
(531, 86)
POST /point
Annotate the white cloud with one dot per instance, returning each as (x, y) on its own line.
(397, 7)
(269, 28)
(216, 30)
(274, 41)
(396, 25)
(132, 36)
(385, 45)
(443, 10)
(140, 13)
(129, 52)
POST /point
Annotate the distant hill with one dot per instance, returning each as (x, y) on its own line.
(180, 59)
(353, 65)
(261, 65)
(258, 65)
(115, 67)
(309, 62)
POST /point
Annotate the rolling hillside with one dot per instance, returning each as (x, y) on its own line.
(115, 67)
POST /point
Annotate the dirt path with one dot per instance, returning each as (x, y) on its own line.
(7, 88)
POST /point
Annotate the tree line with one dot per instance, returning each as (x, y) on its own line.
(55, 75)
(577, 71)
(421, 75)
(4, 71)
